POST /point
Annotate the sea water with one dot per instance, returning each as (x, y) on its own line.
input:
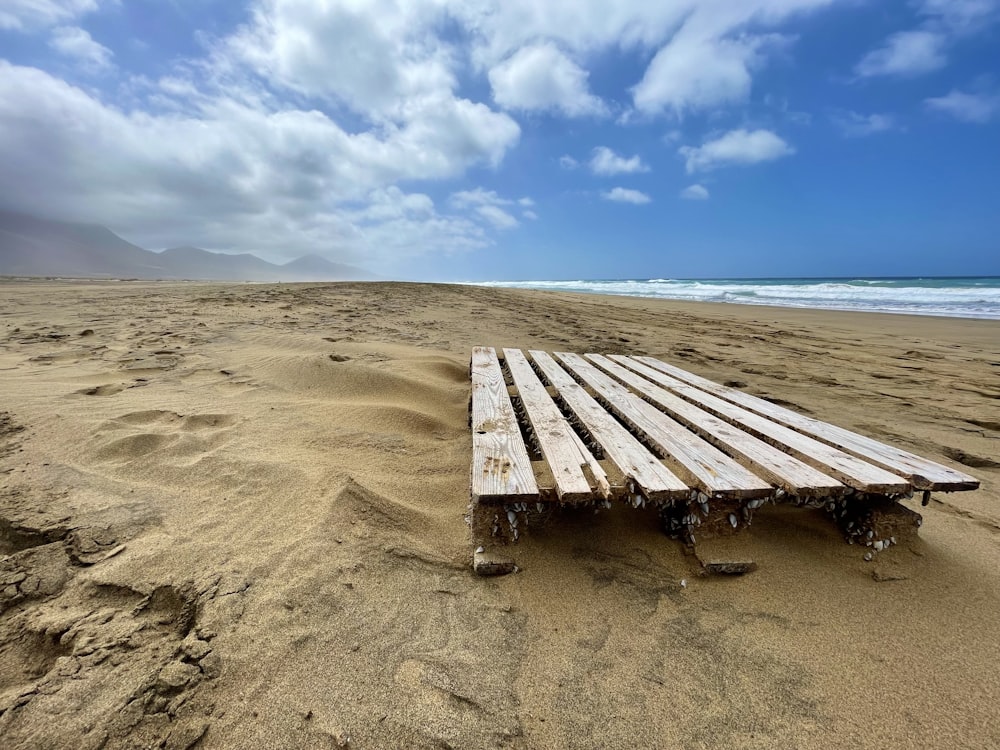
(966, 297)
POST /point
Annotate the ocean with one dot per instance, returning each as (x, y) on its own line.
(960, 297)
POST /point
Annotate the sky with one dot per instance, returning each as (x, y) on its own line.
(517, 139)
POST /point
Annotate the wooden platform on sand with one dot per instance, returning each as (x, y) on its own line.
(563, 429)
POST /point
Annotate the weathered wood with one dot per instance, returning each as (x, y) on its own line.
(501, 468)
(554, 435)
(787, 472)
(636, 463)
(697, 462)
(592, 467)
(491, 564)
(923, 473)
(849, 469)
(729, 567)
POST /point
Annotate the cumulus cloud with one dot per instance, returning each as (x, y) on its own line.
(540, 77)
(568, 162)
(924, 49)
(293, 132)
(705, 51)
(695, 193)
(487, 205)
(606, 162)
(75, 42)
(735, 148)
(378, 58)
(277, 182)
(968, 107)
(856, 125)
(695, 74)
(905, 53)
(625, 195)
(30, 14)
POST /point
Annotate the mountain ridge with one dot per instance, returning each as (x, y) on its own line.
(36, 246)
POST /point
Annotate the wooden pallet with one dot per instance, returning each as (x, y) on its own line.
(566, 430)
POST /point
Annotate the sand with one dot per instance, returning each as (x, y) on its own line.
(231, 516)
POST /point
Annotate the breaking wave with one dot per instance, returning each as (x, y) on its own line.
(974, 297)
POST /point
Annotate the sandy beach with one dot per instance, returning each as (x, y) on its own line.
(231, 516)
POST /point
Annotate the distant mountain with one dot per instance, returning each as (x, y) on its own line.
(313, 266)
(32, 246)
(195, 263)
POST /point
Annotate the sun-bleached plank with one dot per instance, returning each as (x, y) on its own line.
(785, 471)
(655, 480)
(554, 435)
(694, 460)
(923, 473)
(501, 468)
(844, 467)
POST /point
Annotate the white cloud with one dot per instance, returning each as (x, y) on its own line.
(529, 215)
(979, 108)
(695, 193)
(294, 132)
(625, 195)
(606, 162)
(279, 182)
(525, 201)
(905, 53)
(695, 74)
(960, 15)
(497, 217)
(737, 147)
(568, 162)
(540, 77)
(378, 58)
(22, 15)
(856, 125)
(923, 49)
(477, 197)
(75, 42)
(487, 205)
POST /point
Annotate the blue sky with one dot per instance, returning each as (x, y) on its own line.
(440, 139)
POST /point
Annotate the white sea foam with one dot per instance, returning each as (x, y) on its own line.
(967, 298)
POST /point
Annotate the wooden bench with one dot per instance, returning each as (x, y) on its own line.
(558, 430)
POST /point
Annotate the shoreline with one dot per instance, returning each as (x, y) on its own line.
(733, 291)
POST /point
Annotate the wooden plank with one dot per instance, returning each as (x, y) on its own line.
(655, 480)
(849, 469)
(501, 468)
(594, 468)
(923, 473)
(785, 471)
(697, 462)
(553, 432)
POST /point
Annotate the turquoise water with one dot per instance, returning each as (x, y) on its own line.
(962, 297)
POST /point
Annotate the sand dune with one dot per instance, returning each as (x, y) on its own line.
(232, 516)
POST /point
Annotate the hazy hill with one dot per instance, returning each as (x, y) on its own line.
(32, 246)
(195, 263)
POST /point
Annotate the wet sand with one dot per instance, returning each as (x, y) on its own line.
(231, 516)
